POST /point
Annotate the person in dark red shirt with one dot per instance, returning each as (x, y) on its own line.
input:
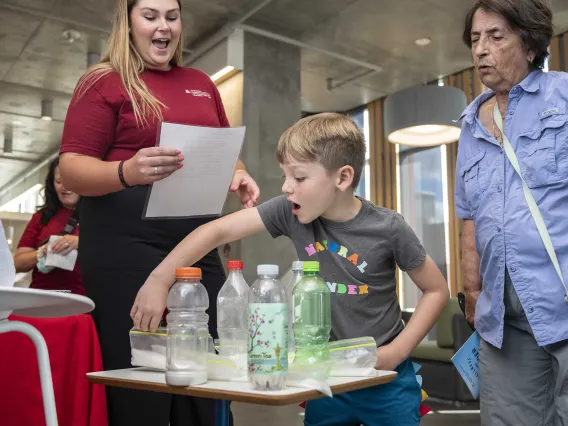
(59, 211)
(109, 157)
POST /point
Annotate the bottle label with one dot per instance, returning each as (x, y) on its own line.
(268, 338)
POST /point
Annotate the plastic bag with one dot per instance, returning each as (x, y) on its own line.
(223, 368)
(310, 376)
(353, 357)
(148, 349)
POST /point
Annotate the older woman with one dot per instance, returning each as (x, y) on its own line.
(515, 297)
(108, 155)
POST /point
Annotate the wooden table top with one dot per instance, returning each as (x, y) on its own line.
(152, 380)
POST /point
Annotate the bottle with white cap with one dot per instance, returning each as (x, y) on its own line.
(268, 331)
(297, 274)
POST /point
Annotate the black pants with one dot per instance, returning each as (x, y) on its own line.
(118, 252)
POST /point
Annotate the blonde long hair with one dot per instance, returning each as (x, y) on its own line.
(123, 58)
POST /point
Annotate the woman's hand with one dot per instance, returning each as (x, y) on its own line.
(65, 244)
(42, 251)
(152, 164)
(245, 187)
(149, 304)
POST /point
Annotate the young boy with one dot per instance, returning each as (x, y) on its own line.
(358, 246)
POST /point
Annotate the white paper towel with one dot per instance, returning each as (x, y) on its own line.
(7, 269)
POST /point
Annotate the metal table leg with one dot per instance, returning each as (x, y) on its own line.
(222, 412)
(43, 362)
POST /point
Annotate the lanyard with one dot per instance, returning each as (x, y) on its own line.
(533, 207)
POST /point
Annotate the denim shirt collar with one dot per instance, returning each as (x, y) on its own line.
(531, 83)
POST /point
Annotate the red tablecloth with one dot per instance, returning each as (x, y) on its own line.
(74, 350)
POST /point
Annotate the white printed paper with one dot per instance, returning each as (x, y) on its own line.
(57, 260)
(200, 187)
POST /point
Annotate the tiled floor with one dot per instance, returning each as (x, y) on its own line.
(257, 415)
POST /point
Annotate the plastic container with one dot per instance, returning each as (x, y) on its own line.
(268, 331)
(187, 332)
(232, 311)
(351, 356)
(297, 274)
(312, 317)
(148, 349)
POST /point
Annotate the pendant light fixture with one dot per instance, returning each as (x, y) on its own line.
(423, 116)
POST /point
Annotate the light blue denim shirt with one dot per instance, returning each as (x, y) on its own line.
(489, 191)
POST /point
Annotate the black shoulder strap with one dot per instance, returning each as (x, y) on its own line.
(71, 224)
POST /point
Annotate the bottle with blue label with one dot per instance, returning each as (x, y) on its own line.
(267, 356)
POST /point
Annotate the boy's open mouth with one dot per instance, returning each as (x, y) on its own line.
(295, 207)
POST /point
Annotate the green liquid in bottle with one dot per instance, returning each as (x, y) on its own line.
(312, 316)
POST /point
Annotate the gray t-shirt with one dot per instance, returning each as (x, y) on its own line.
(358, 261)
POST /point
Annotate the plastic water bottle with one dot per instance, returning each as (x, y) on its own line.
(187, 340)
(297, 271)
(268, 331)
(232, 312)
(312, 316)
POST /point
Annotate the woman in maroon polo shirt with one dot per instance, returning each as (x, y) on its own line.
(108, 155)
(58, 216)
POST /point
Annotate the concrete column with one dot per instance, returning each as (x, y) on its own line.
(270, 104)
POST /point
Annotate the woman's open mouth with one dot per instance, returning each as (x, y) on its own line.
(161, 43)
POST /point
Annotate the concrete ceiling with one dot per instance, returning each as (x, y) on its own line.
(37, 62)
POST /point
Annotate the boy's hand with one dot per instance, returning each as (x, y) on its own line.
(388, 357)
(149, 305)
(245, 187)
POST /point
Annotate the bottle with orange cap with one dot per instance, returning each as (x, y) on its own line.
(232, 310)
(187, 340)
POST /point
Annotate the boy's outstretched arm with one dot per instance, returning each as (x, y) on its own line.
(430, 280)
(151, 299)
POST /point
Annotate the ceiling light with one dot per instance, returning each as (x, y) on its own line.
(423, 115)
(71, 36)
(17, 123)
(225, 59)
(222, 73)
(47, 110)
(424, 41)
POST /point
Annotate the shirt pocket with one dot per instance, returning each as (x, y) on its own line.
(542, 152)
(473, 178)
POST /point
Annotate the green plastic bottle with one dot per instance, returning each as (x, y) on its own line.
(312, 316)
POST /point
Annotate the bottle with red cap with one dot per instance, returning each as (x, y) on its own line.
(232, 309)
(188, 332)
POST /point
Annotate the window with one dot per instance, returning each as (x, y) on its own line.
(361, 117)
(422, 200)
(27, 202)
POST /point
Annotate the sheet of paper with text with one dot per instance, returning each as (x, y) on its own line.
(200, 187)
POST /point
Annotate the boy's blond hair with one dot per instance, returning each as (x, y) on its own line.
(331, 139)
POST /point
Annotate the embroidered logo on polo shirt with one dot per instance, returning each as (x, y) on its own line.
(198, 93)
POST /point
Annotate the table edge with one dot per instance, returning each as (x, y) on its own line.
(274, 400)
